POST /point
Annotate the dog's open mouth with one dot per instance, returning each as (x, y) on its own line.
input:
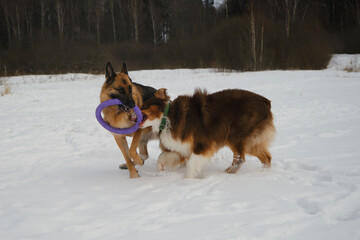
(143, 120)
(133, 117)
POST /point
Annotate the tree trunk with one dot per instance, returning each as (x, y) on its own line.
(98, 16)
(89, 8)
(42, 17)
(226, 9)
(287, 18)
(261, 45)
(290, 15)
(60, 13)
(111, 2)
(18, 26)
(98, 30)
(358, 13)
(134, 5)
(152, 12)
(7, 21)
(29, 21)
(123, 20)
(253, 34)
(294, 8)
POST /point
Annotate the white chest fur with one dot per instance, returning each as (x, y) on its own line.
(176, 145)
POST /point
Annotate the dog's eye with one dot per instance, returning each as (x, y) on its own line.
(120, 90)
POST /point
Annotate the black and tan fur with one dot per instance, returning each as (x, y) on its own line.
(201, 124)
(119, 85)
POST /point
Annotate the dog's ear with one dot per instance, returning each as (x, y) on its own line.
(162, 94)
(124, 69)
(109, 74)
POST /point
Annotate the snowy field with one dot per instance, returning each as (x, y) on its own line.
(59, 176)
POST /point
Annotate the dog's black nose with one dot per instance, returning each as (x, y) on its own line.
(131, 104)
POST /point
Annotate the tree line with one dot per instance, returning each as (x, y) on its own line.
(55, 36)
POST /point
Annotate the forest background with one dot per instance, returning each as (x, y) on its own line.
(61, 36)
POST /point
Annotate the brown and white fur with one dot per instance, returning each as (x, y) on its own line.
(119, 85)
(199, 125)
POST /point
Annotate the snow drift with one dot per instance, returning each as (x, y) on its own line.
(59, 176)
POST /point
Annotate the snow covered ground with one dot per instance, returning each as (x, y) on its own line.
(59, 176)
(345, 62)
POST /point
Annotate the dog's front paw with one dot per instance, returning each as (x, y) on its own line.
(134, 174)
(160, 167)
(123, 166)
(232, 169)
(144, 156)
(136, 159)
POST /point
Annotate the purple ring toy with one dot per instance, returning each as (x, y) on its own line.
(112, 129)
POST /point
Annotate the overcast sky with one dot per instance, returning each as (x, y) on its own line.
(218, 2)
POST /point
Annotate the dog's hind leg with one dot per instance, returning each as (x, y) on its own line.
(265, 158)
(134, 144)
(195, 164)
(259, 143)
(237, 147)
(262, 154)
(168, 159)
(147, 135)
(122, 143)
(238, 160)
(144, 154)
(142, 143)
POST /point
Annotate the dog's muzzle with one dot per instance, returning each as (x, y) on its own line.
(124, 108)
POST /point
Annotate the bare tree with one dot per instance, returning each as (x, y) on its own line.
(60, 15)
(42, 16)
(89, 14)
(111, 3)
(28, 11)
(17, 29)
(164, 25)
(358, 12)
(14, 24)
(261, 45)
(253, 33)
(274, 7)
(290, 14)
(152, 15)
(121, 8)
(98, 12)
(7, 21)
(226, 9)
(74, 15)
(135, 12)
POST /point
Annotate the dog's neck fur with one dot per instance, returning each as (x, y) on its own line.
(156, 124)
(168, 141)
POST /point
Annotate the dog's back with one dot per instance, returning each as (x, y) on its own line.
(246, 115)
(146, 92)
(223, 117)
(239, 119)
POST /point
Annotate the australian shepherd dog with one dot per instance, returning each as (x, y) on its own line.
(193, 128)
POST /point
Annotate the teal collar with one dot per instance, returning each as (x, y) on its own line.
(164, 118)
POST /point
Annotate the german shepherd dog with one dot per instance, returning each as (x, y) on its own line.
(198, 126)
(120, 86)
